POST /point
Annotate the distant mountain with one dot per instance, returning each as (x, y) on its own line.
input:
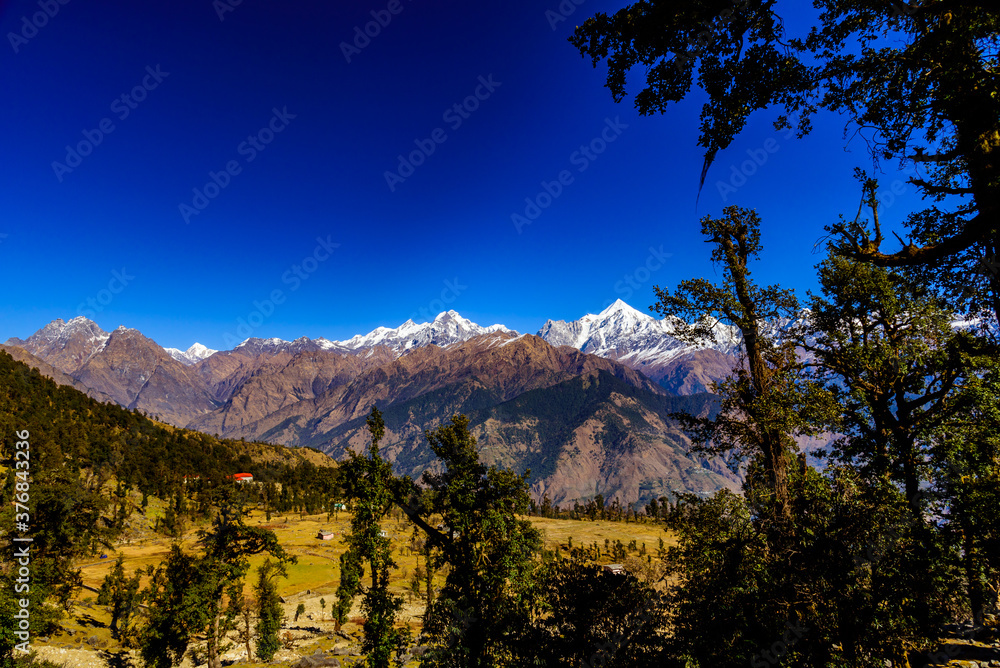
(192, 355)
(52, 373)
(65, 345)
(137, 373)
(583, 424)
(647, 344)
(254, 388)
(594, 433)
(254, 346)
(446, 329)
(582, 404)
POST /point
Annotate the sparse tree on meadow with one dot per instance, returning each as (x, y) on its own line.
(121, 594)
(488, 551)
(190, 597)
(269, 612)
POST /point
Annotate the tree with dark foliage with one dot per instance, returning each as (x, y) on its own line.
(917, 80)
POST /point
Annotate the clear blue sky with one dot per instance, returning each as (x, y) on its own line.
(198, 88)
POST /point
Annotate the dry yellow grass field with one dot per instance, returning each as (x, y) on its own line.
(314, 577)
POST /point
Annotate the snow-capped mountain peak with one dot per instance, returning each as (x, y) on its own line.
(447, 328)
(620, 307)
(59, 332)
(623, 333)
(192, 355)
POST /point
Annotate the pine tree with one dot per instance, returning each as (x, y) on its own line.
(488, 549)
(369, 484)
(121, 593)
(194, 596)
(269, 611)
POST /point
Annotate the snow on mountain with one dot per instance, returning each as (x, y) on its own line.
(192, 355)
(446, 329)
(65, 345)
(632, 337)
(273, 346)
(59, 332)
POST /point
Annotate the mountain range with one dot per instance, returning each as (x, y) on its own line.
(585, 405)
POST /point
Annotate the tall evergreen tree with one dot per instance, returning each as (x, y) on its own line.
(488, 549)
(369, 482)
(190, 597)
(121, 593)
(764, 402)
(269, 611)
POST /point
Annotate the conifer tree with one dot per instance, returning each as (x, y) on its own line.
(190, 597)
(269, 611)
(369, 482)
(764, 401)
(488, 549)
(121, 593)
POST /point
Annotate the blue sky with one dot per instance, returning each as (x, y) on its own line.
(228, 161)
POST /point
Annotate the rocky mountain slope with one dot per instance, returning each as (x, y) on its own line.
(65, 345)
(137, 373)
(49, 371)
(594, 433)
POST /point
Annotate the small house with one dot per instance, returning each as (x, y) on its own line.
(614, 569)
(242, 477)
(325, 535)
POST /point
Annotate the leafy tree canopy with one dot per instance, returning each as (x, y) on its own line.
(917, 81)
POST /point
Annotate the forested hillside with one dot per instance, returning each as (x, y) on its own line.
(70, 429)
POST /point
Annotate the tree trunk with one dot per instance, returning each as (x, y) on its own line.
(247, 616)
(213, 645)
(977, 595)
